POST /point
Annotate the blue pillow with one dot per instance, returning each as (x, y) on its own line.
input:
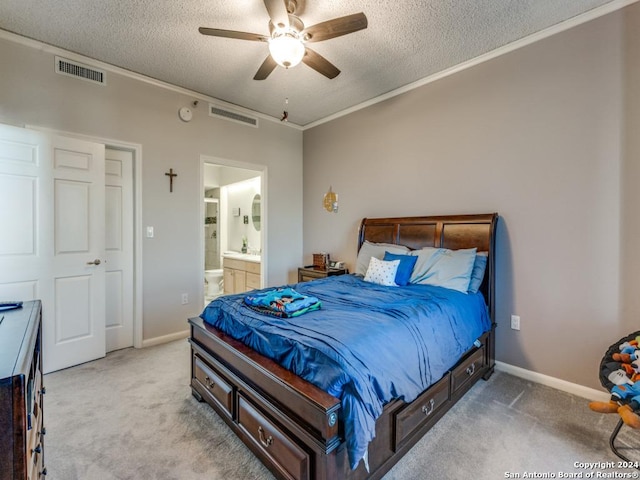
(477, 274)
(404, 269)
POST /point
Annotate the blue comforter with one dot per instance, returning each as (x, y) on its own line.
(367, 345)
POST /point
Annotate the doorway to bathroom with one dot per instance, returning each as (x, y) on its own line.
(233, 226)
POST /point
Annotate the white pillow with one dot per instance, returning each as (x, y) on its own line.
(369, 249)
(381, 272)
(445, 268)
(427, 258)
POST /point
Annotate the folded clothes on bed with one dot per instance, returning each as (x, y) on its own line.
(282, 302)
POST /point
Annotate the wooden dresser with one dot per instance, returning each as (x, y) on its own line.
(21, 391)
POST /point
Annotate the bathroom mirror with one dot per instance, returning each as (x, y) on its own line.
(255, 212)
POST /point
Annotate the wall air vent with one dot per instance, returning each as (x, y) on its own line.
(216, 111)
(78, 70)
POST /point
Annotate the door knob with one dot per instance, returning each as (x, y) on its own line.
(95, 262)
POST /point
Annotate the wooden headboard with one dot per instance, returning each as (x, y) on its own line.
(447, 231)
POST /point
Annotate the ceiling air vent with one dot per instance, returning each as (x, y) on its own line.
(216, 111)
(78, 70)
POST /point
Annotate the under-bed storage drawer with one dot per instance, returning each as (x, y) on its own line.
(421, 410)
(467, 370)
(215, 388)
(290, 459)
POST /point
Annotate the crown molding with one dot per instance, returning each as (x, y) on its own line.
(45, 47)
(523, 42)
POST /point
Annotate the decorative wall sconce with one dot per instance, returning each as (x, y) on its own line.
(331, 201)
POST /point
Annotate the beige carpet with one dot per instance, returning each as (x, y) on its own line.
(131, 416)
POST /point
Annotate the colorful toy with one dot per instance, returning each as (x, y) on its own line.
(619, 370)
(635, 365)
(628, 352)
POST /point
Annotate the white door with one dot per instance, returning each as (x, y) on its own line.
(52, 209)
(119, 248)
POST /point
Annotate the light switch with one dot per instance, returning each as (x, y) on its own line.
(149, 232)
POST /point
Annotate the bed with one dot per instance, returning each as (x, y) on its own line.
(296, 428)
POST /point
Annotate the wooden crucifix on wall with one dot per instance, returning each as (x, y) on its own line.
(170, 174)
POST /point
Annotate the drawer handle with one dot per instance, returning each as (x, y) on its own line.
(43, 431)
(43, 391)
(209, 383)
(428, 409)
(471, 369)
(44, 472)
(264, 441)
(38, 449)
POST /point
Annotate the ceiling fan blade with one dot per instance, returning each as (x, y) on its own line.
(216, 32)
(266, 68)
(320, 64)
(277, 10)
(335, 28)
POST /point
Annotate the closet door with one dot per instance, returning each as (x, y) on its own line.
(119, 248)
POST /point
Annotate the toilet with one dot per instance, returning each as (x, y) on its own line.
(214, 282)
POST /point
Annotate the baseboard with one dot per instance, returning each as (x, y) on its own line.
(150, 342)
(558, 384)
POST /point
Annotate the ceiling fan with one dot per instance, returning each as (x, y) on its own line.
(288, 37)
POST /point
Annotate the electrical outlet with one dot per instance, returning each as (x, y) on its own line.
(185, 298)
(515, 322)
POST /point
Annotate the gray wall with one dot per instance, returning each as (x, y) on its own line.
(129, 110)
(630, 197)
(542, 136)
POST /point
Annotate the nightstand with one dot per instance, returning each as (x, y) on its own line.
(310, 272)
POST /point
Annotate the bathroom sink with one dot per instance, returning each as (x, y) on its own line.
(243, 256)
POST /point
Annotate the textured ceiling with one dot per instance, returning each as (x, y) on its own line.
(405, 41)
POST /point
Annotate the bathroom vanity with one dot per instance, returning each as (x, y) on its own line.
(241, 272)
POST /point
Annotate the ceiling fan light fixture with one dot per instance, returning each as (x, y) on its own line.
(286, 49)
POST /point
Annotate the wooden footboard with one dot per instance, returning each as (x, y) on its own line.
(293, 427)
